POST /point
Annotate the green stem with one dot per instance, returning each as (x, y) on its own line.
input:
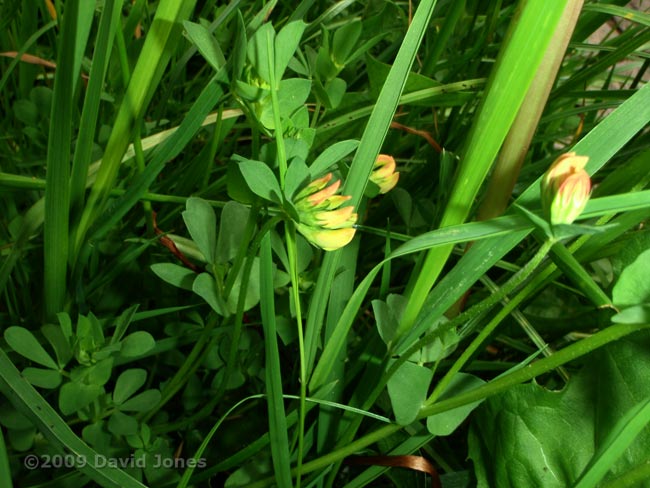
(189, 366)
(468, 353)
(292, 251)
(570, 353)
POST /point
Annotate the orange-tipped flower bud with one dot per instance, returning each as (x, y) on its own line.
(323, 221)
(384, 174)
(565, 189)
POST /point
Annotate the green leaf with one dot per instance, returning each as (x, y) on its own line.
(128, 383)
(73, 396)
(232, 227)
(286, 43)
(57, 432)
(332, 155)
(252, 290)
(121, 424)
(205, 287)
(633, 286)
(66, 325)
(43, 378)
(377, 73)
(292, 95)
(142, 402)
(344, 41)
(205, 43)
(387, 315)
(59, 343)
(261, 180)
(296, 176)
(550, 437)
(622, 435)
(335, 89)
(447, 422)
(258, 50)
(407, 389)
(137, 344)
(202, 226)
(637, 314)
(24, 343)
(174, 274)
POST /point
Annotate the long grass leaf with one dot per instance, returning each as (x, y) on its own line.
(523, 50)
(158, 47)
(57, 191)
(27, 400)
(84, 146)
(279, 437)
(364, 159)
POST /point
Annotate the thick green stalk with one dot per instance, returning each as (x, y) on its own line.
(515, 147)
(523, 49)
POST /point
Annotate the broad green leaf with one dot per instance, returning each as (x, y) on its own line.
(407, 390)
(252, 290)
(174, 274)
(202, 226)
(344, 41)
(24, 343)
(335, 89)
(205, 43)
(137, 344)
(121, 424)
(532, 428)
(292, 95)
(141, 402)
(66, 324)
(637, 314)
(259, 48)
(296, 176)
(286, 43)
(98, 373)
(43, 378)
(261, 180)
(387, 315)
(59, 343)
(232, 226)
(73, 396)
(332, 155)
(447, 422)
(205, 287)
(633, 286)
(128, 383)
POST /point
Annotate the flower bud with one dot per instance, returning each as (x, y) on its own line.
(384, 175)
(323, 221)
(565, 189)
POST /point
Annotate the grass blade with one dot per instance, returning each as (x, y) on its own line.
(158, 47)
(369, 147)
(57, 191)
(27, 400)
(515, 69)
(615, 444)
(84, 146)
(273, 375)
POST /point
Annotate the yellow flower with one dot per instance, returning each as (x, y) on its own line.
(323, 221)
(565, 189)
(384, 174)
